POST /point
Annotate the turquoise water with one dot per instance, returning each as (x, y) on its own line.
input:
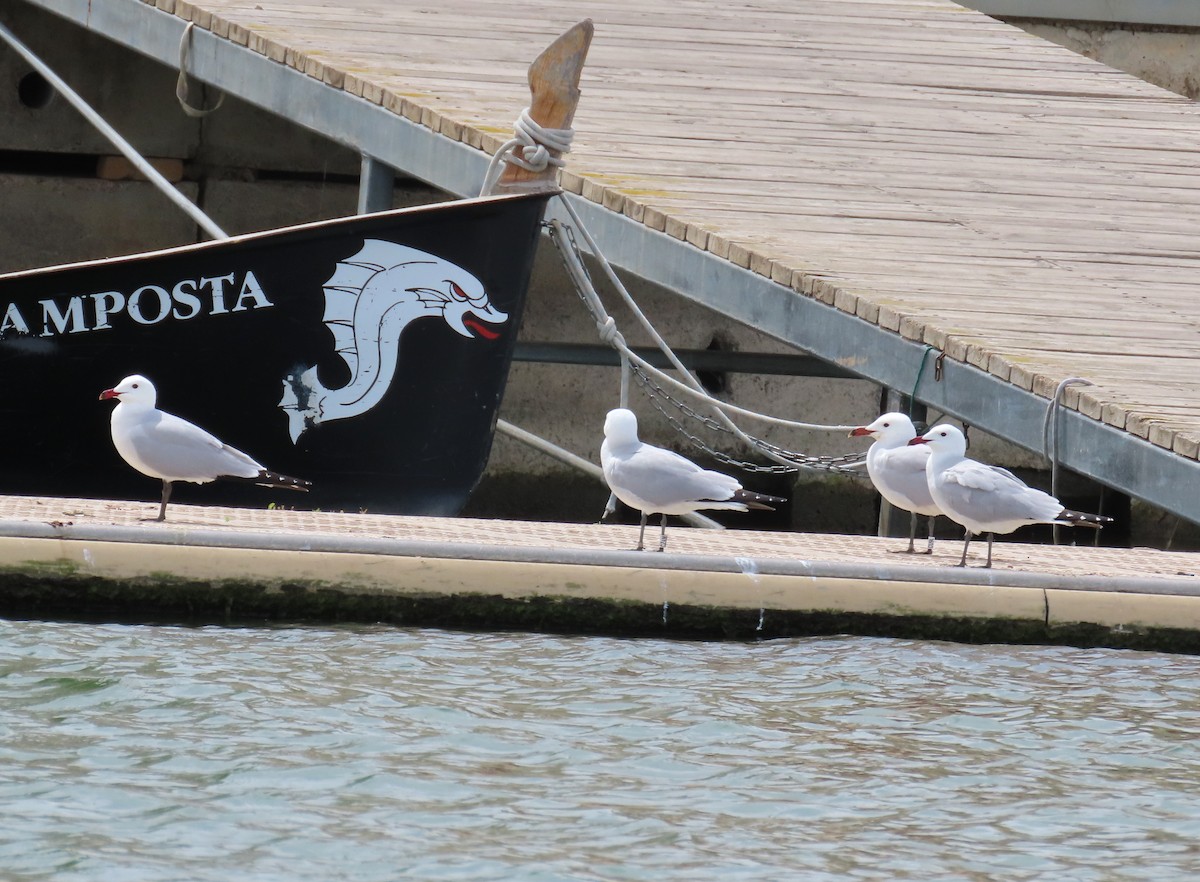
(160, 753)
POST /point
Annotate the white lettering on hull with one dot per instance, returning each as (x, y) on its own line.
(145, 305)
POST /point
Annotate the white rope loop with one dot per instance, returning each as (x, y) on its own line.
(1050, 438)
(530, 149)
(181, 85)
(1049, 422)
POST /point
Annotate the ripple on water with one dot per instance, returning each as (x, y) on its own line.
(372, 753)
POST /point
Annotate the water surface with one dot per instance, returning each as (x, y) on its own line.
(162, 753)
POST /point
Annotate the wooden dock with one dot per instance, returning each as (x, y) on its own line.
(931, 170)
(879, 182)
(892, 178)
(88, 559)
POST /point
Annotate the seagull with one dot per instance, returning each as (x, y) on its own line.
(898, 471)
(988, 499)
(658, 481)
(164, 446)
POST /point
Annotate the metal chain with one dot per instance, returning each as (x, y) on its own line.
(570, 231)
(657, 395)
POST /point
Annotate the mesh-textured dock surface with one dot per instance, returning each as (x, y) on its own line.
(1062, 561)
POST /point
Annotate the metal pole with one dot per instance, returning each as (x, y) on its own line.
(376, 183)
(127, 150)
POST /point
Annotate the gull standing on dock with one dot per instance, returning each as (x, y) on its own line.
(658, 481)
(898, 471)
(988, 499)
(161, 445)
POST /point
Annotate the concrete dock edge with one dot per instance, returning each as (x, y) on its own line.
(196, 576)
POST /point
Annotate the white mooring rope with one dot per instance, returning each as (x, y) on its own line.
(609, 333)
(606, 325)
(528, 149)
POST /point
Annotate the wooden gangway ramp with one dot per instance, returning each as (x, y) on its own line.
(79, 559)
(880, 182)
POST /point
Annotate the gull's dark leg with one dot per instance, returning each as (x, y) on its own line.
(162, 511)
(966, 542)
(929, 549)
(641, 546)
(912, 533)
(988, 565)
(662, 538)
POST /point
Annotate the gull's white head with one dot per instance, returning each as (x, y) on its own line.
(893, 429)
(135, 389)
(944, 438)
(620, 427)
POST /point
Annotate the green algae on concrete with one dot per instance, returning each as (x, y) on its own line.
(53, 590)
(60, 566)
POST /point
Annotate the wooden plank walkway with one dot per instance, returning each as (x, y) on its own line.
(922, 166)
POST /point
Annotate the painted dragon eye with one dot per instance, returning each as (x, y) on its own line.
(459, 293)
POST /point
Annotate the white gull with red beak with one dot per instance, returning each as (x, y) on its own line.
(985, 498)
(657, 481)
(898, 470)
(164, 446)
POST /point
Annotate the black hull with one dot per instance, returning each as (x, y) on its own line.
(230, 332)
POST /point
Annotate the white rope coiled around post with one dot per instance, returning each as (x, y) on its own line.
(529, 149)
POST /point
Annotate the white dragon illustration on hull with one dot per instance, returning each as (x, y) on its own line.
(369, 301)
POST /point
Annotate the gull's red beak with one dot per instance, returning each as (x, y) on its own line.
(918, 440)
(859, 432)
(109, 393)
